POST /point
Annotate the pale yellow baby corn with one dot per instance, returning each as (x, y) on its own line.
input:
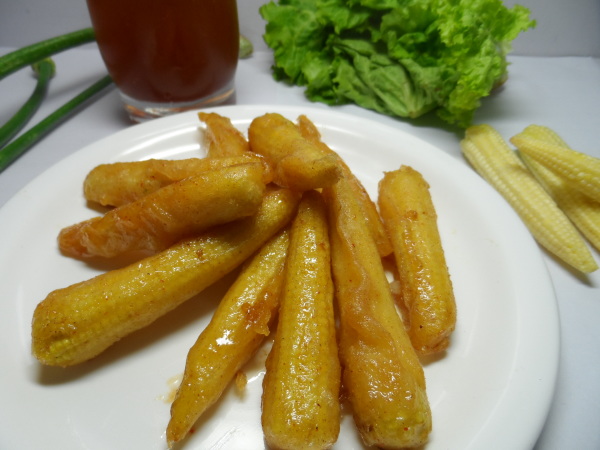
(300, 402)
(76, 323)
(580, 170)
(580, 208)
(583, 211)
(236, 330)
(496, 162)
(543, 133)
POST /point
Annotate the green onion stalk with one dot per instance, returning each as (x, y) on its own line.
(26, 56)
(24, 142)
(37, 55)
(44, 71)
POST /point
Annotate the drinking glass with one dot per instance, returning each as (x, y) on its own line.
(168, 56)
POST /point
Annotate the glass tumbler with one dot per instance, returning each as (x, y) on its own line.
(168, 56)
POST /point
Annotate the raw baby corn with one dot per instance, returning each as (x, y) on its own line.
(496, 162)
(76, 323)
(300, 403)
(237, 329)
(583, 211)
(580, 170)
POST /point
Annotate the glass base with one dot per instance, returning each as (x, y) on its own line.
(141, 111)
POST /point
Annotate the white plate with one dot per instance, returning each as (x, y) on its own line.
(492, 389)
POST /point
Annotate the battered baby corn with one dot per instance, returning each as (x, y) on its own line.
(119, 183)
(310, 132)
(236, 330)
(297, 163)
(221, 138)
(300, 405)
(382, 375)
(76, 323)
(425, 286)
(169, 214)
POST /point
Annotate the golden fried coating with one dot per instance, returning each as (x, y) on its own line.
(78, 322)
(311, 244)
(309, 131)
(300, 403)
(236, 330)
(425, 286)
(169, 214)
(116, 184)
(221, 137)
(297, 163)
(382, 375)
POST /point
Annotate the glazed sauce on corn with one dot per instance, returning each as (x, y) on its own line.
(159, 51)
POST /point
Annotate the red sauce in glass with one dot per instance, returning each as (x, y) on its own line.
(167, 51)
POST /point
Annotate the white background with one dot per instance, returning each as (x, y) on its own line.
(565, 28)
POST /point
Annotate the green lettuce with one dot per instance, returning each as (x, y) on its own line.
(403, 58)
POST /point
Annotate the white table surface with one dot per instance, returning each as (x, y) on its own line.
(560, 92)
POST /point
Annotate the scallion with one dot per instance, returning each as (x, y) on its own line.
(24, 142)
(33, 53)
(45, 71)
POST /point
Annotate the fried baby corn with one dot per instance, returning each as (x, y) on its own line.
(221, 138)
(310, 132)
(116, 184)
(498, 164)
(76, 323)
(297, 163)
(236, 330)
(300, 404)
(169, 214)
(382, 375)
(426, 289)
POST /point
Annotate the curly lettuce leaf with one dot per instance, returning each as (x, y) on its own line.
(403, 58)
